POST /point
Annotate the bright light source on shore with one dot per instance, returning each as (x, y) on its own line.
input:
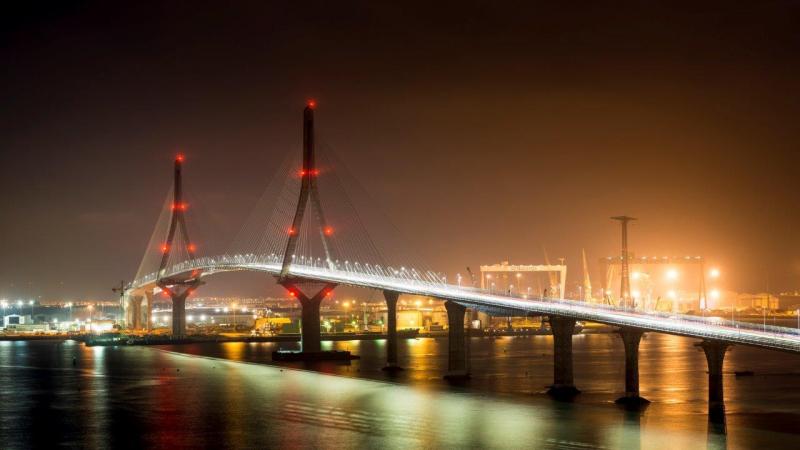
(635, 275)
(672, 274)
(672, 294)
(636, 294)
(714, 294)
(714, 273)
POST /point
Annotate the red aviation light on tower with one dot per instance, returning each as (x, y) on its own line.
(164, 248)
(192, 248)
(328, 231)
(291, 231)
(179, 157)
(311, 103)
(180, 206)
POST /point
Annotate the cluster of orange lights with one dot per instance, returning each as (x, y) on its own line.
(180, 206)
(304, 172)
(191, 247)
(293, 293)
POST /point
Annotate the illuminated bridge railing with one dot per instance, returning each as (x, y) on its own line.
(409, 280)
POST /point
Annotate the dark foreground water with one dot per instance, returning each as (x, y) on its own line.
(166, 397)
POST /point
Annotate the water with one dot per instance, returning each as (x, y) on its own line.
(168, 397)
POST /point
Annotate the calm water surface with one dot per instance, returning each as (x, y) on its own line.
(224, 395)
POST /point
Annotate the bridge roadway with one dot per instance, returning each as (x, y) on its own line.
(716, 335)
(776, 338)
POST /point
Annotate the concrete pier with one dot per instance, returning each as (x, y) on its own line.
(310, 325)
(309, 331)
(179, 313)
(149, 314)
(715, 357)
(136, 311)
(630, 339)
(563, 382)
(391, 330)
(457, 364)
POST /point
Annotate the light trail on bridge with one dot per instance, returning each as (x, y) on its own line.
(408, 281)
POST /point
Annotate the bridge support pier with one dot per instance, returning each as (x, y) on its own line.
(391, 330)
(563, 382)
(630, 339)
(149, 315)
(310, 336)
(715, 356)
(179, 312)
(457, 363)
(136, 311)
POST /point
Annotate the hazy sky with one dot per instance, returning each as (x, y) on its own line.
(487, 129)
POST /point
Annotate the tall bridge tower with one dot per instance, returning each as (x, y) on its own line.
(177, 288)
(309, 193)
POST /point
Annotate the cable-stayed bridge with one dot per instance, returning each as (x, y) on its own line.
(311, 235)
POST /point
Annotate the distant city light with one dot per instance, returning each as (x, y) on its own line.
(672, 274)
(672, 294)
(714, 273)
(714, 294)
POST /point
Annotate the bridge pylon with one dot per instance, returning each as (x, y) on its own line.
(309, 193)
(178, 288)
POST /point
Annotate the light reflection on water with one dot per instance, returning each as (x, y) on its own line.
(138, 396)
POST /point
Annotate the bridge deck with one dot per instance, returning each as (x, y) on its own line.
(777, 338)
